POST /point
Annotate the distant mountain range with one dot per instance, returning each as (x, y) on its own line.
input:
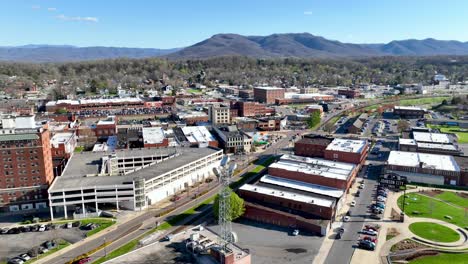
(62, 53)
(300, 45)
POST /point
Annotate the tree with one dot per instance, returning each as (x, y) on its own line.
(314, 119)
(403, 125)
(237, 206)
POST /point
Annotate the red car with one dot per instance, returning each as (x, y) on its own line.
(374, 240)
(83, 260)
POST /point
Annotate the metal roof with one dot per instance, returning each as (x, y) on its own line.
(17, 137)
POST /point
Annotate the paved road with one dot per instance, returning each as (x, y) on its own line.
(343, 249)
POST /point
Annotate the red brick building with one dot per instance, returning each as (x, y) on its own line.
(311, 206)
(250, 109)
(94, 104)
(26, 164)
(347, 150)
(349, 93)
(106, 128)
(312, 146)
(268, 95)
(328, 173)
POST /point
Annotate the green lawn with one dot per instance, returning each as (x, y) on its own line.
(424, 101)
(462, 134)
(194, 91)
(453, 198)
(442, 258)
(421, 206)
(434, 232)
(61, 244)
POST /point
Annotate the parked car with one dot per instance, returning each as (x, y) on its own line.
(358, 193)
(34, 228)
(361, 186)
(42, 250)
(42, 228)
(346, 218)
(83, 260)
(69, 225)
(168, 237)
(376, 216)
(366, 245)
(384, 194)
(14, 230)
(15, 261)
(369, 232)
(381, 199)
(371, 239)
(24, 257)
(353, 203)
(338, 235)
(49, 244)
(25, 229)
(295, 232)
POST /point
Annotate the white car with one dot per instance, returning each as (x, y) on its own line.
(381, 199)
(24, 257)
(353, 203)
(361, 186)
(346, 218)
(369, 232)
(42, 228)
(295, 232)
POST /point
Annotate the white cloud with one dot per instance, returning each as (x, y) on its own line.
(36, 7)
(77, 18)
(51, 9)
(308, 13)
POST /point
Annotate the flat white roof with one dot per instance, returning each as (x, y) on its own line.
(100, 147)
(60, 138)
(287, 195)
(191, 114)
(436, 146)
(304, 96)
(153, 135)
(95, 101)
(195, 134)
(347, 145)
(314, 166)
(106, 122)
(409, 108)
(303, 186)
(415, 159)
(431, 137)
(406, 141)
(269, 88)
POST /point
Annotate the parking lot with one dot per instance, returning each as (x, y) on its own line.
(13, 245)
(269, 244)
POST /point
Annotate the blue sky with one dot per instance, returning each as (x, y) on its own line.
(176, 23)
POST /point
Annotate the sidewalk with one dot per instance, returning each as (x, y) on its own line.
(330, 237)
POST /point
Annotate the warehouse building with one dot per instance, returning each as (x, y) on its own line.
(317, 171)
(409, 112)
(130, 179)
(425, 168)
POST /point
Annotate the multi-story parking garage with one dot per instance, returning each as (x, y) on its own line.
(130, 179)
